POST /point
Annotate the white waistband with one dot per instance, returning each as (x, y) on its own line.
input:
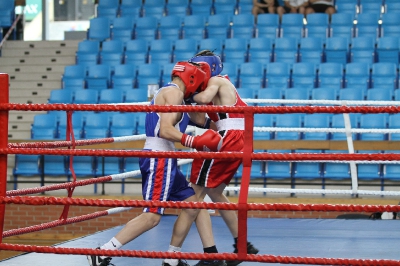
(158, 144)
(230, 124)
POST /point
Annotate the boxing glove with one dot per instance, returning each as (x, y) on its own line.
(209, 141)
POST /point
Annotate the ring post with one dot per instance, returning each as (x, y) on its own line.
(4, 92)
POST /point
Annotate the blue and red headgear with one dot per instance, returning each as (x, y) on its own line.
(213, 60)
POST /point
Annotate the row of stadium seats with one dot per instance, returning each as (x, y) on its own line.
(245, 26)
(240, 50)
(89, 125)
(252, 75)
(160, 8)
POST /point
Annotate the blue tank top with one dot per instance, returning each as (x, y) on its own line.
(153, 119)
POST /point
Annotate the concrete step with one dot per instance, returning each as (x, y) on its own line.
(35, 76)
(26, 53)
(44, 60)
(22, 116)
(40, 44)
(14, 69)
(19, 134)
(29, 93)
(19, 125)
(35, 84)
(25, 99)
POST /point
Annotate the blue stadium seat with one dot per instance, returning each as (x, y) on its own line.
(338, 122)
(270, 93)
(247, 93)
(330, 75)
(148, 74)
(384, 75)
(88, 96)
(218, 26)
(7, 13)
(387, 49)
(123, 124)
(296, 93)
(98, 77)
(362, 50)
(108, 9)
(243, 26)
(177, 8)
(278, 75)
(245, 6)
(224, 7)
(367, 6)
(286, 50)
(336, 171)
(154, 8)
(357, 75)
(194, 26)
(184, 49)
(342, 25)
(369, 171)
(88, 52)
(390, 22)
(112, 53)
(278, 170)
(136, 95)
(292, 25)
(77, 121)
(212, 44)
(263, 120)
(26, 165)
(140, 120)
(85, 166)
(337, 50)
(122, 28)
(99, 29)
(347, 6)
(288, 120)
(74, 77)
(317, 25)
(316, 121)
(379, 95)
(252, 75)
(97, 126)
(304, 75)
(166, 73)
(267, 26)
(311, 50)
(391, 6)
(160, 51)
(60, 96)
(235, 50)
(146, 28)
(373, 121)
(232, 70)
(124, 77)
(307, 170)
(111, 96)
(55, 165)
(201, 7)
(394, 123)
(44, 126)
(324, 93)
(109, 165)
(170, 27)
(352, 94)
(136, 52)
(367, 25)
(131, 8)
(391, 171)
(260, 50)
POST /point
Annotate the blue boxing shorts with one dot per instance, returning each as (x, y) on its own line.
(163, 181)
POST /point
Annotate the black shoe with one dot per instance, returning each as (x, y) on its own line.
(180, 263)
(250, 250)
(211, 263)
(97, 261)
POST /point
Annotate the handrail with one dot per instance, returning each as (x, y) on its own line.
(11, 28)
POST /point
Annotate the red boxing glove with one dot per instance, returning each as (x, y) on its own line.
(209, 141)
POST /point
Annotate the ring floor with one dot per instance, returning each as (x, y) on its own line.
(327, 238)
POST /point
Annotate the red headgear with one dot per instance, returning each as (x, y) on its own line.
(192, 75)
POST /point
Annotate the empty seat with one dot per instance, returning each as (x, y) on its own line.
(357, 75)
(369, 171)
(184, 49)
(44, 126)
(243, 26)
(362, 50)
(342, 25)
(330, 75)
(84, 166)
(346, 7)
(269, 94)
(379, 95)
(160, 51)
(337, 50)
(235, 50)
(286, 50)
(252, 75)
(394, 123)
(177, 8)
(339, 122)
(166, 73)
(391, 171)
(247, 93)
(123, 28)
(154, 8)
(77, 123)
(170, 27)
(304, 75)
(311, 50)
(136, 95)
(307, 170)
(373, 7)
(352, 94)
(98, 77)
(285, 121)
(278, 75)
(7, 13)
(194, 26)
(278, 170)
(316, 121)
(387, 49)
(123, 124)
(263, 120)
(74, 77)
(267, 25)
(202, 7)
(212, 44)
(373, 121)
(384, 75)
(296, 94)
(231, 70)
(111, 96)
(391, 6)
(26, 165)
(99, 29)
(336, 171)
(146, 28)
(88, 52)
(317, 25)
(148, 74)
(112, 53)
(224, 6)
(130, 8)
(55, 165)
(292, 25)
(136, 52)
(97, 126)
(367, 25)
(324, 93)
(260, 50)
(390, 23)
(124, 77)
(88, 96)
(60, 96)
(218, 26)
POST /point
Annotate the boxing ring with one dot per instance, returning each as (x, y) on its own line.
(291, 241)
